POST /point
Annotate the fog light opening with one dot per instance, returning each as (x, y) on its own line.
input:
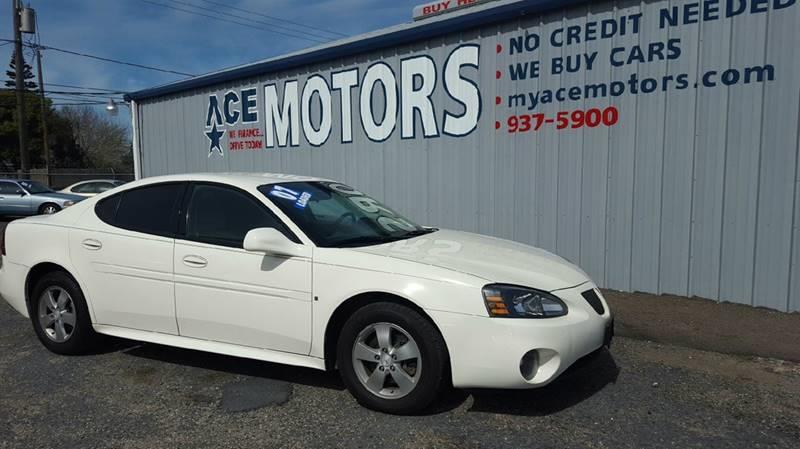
(529, 364)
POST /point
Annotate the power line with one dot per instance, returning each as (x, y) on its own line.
(274, 18)
(82, 97)
(100, 58)
(84, 87)
(180, 2)
(78, 104)
(81, 100)
(319, 41)
(68, 92)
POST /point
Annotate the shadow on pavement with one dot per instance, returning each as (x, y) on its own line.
(236, 365)
(581, 381)
(585, 378)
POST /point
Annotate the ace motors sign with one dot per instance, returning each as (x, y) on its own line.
(415, 98)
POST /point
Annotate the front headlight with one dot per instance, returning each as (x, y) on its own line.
(511, 301)
(68, 203)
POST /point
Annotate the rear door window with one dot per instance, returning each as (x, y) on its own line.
(151, 209)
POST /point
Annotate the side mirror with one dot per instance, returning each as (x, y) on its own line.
(21, 192)
(271, 241)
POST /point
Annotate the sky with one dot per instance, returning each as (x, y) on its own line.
(142, 32)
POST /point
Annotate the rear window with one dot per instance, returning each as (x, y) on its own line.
(150, 209)
(107, 209)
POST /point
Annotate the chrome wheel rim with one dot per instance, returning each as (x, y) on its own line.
(49, 210)
(57, 314)
(387, 360)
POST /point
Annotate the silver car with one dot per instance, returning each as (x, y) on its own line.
(25, 197)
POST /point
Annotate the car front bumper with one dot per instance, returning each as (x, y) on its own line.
(488, 352)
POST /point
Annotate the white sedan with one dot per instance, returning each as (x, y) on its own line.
(92, 187)
(302, 271)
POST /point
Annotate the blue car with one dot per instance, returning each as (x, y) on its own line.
(24, 197)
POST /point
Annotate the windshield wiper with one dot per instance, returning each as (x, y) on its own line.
(418, 232)
(362, 241)
(377, 240)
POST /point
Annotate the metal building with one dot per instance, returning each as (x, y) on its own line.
(654, 143)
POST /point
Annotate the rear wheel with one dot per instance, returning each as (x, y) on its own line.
(60, 316)
(391, 358)
(48, 209)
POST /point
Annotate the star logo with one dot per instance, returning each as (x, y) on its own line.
(214, 135)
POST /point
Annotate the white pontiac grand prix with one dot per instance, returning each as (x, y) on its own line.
(302, 271)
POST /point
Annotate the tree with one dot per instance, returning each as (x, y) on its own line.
(104, 142)
(27, 74)
(9, 141)
(64, 150)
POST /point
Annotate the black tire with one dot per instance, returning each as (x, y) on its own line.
(433, 357)
(82, 336)
(44, 206)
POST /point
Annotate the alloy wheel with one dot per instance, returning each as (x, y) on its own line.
(57, 314)
(387, 360)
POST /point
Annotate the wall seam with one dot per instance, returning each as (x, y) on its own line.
(689, 291)
(758, 170)
(794, 213)
(661, 189)
(724, 172)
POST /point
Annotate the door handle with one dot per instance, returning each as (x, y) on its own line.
(195, 261)
(92, 244)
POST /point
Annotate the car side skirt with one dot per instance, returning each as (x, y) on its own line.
(246, 352)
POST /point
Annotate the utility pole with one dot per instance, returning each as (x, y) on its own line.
(19, 66)
(45, 144)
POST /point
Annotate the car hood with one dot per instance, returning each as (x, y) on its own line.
(493, 259)
(59, 196)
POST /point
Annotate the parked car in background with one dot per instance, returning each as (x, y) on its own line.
(20, 197)
(302, 271)
(92, 187)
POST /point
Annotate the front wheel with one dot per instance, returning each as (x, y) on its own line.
(48, 209)
(391, 358)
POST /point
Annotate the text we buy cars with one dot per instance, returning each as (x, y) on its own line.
(550, 55)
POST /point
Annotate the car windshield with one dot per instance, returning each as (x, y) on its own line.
(335, 215)
(34, 187)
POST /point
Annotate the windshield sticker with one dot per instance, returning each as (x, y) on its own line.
(284, 193)
(303, 201)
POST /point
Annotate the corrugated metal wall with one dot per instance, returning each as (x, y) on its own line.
(694, 192)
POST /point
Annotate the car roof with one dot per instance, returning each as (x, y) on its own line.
(247, 180)
(97, 180)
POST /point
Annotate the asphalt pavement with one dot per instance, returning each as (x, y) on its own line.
(132, 395)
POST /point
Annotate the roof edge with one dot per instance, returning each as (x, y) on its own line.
(421, 31)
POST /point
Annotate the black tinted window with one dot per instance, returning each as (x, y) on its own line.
(150, 209)
(88, 187)
(107, 209)
(9, 188)
(223, 216)
(104, 186)
(93, 187)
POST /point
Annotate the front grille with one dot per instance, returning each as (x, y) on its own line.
(591, 297)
